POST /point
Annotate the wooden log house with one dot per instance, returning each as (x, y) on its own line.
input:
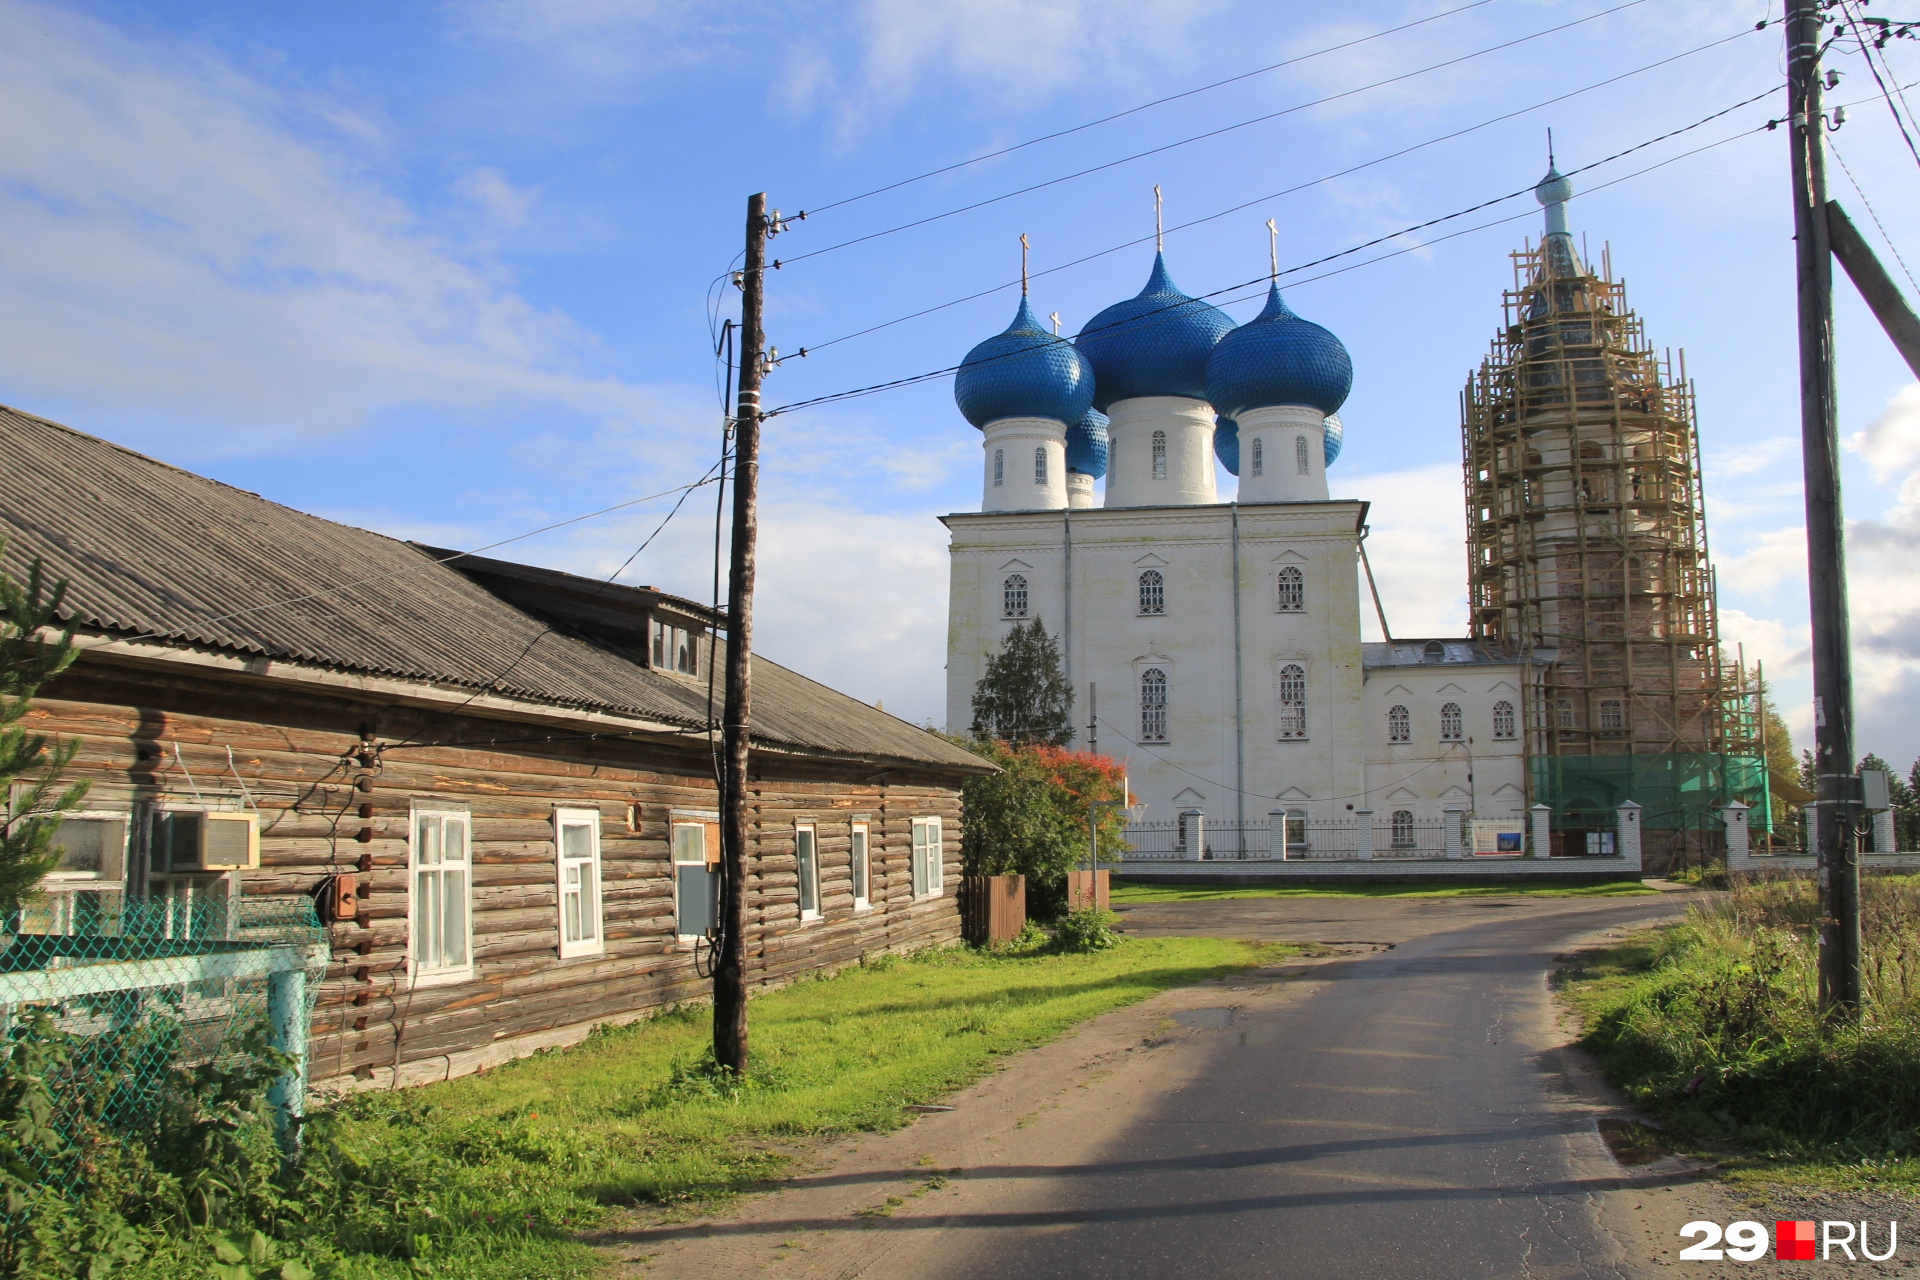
(511, 767)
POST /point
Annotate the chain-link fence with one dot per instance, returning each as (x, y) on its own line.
(114, 996)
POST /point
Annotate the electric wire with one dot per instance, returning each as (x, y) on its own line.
(815, 347)
(815, 210)
(1211, 133)
(1899, 121)
(1263, 280)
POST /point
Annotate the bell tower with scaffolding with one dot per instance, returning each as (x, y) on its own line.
(1587, 547)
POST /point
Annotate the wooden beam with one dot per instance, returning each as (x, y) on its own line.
(1875, 285)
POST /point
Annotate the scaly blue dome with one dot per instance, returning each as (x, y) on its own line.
(1153, 344)
(1088, 444)
(1336, 435)
(1276, 359)
(1024, 372)
(1226, 444)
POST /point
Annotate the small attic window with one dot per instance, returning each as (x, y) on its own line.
(674, 648)
(1435, 651)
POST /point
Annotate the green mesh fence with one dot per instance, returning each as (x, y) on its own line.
(1676, 792)
(111, 999)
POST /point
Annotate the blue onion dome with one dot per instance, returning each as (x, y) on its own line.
(1153, 344)
(1024, 372)
(1087, 444)
(1336, 435)
(1277, 358)
(1226, 444)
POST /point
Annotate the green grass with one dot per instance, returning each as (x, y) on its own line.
(1131, 893)
(494, 1176)
(1711, 1028)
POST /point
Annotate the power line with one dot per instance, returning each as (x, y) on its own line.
(816, 347)
(1211, 133)
(1261, 281)
(1145, 106)
(1867, 53)
(1868, 204)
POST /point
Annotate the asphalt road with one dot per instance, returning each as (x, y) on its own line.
(1405, 1109)
(1399, 1121)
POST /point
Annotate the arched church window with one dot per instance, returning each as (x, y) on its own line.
(1040, 465)
(1300, 455)
(1153, 705)
(1159, 455)
(1451, 727)
(1564, 713)
(1399, 724)
(1293, 590)
(1613, 714)
(1013, 596)
(999, 467)
(1403, 828)
(1293, 702)
(1259, 457)
(1153, 592)
(1503, 721)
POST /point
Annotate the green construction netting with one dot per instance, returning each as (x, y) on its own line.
(113, 1003)
(1675, 792)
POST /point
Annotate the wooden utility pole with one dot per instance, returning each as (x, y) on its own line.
(730, 969)
(1839, 796)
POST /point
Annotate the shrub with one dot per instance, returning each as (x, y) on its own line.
(1089, 929)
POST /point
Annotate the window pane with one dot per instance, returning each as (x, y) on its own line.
(809, 872)
(453, 839)
(689, 844)
(455, 883)
(427, 842)
(576, 840)
(426, 903)
(859, 863)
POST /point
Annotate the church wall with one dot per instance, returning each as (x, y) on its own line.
(1426, 774)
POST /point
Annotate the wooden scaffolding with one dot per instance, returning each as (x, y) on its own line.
(1588, 556)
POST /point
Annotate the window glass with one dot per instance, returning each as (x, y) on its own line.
(1259, 459)
(1153, 592)
(999, 467)
(928, 854)
(696, 885)
(1153, 705)
(579, 856)
(1403, 828)
(862, 892)
(1040, 465)
(809, 868)
(91, 847)
(1293, 701)
(1293, 590)
(1300, 463)
(1159, 455)
(1013, 596)
(1452, 727)
(1612, 714)
(1503, 719)
(1399, 724)
(442, 890)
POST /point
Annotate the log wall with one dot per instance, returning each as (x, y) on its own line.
(335, 780)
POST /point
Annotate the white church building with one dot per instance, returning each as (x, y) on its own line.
(1213, 642)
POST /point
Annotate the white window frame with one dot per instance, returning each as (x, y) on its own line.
(1165, 705)
(1259, 457)
(1281, 602)
(1159, 455)
(999, 467)
(807, 870)
(1153, 593)
(1505, 722)
(860, 864)
(1014, 594)
(420, 973)
(1399, 723)
(1040, 464)
(1300, 463)
(929, 858)
(1613, 715)
(702, 822)
(585, 890)
(1296, 731)
(1453, 722)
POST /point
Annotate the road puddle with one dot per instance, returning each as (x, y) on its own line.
(1205, 1019)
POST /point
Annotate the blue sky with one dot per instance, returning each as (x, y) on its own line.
(443, 270)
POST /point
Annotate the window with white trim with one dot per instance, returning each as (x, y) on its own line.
(440, 922)
(929, 855)
(1293, 702)
(1153, 592)
(696, 876)
(1040, 465)
(1563, 713)
(1452, 723)
(1153, 705)
(1159, 455)
(1013, 596)
(1293, 589)
(999, 467)
(1300, 456)
(1504, 722)
(862, 868)
(576, 838)
(1613, 714)
(1399, 724)
(675, 648)
(1259, 457)
(1403, 828)
(806, 854)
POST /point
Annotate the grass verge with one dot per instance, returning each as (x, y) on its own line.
(1133, 892)
(1711, 1027)
(494, 1176)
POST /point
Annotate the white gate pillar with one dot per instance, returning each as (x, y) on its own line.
(1626, 840)
(1277, 837)
(1739, 838)
(1193, 834)
(1363, 834)
(1541, 844)
(1450, 818)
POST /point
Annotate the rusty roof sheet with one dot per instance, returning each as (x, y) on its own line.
(156, 552)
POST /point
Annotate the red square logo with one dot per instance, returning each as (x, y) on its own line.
(1793, 1241)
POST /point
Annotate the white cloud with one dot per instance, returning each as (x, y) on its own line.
(1757, 456)
(1417, 549)
(181, 235)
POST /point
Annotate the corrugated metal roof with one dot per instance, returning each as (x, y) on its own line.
(153, 551)
(1415, 653)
